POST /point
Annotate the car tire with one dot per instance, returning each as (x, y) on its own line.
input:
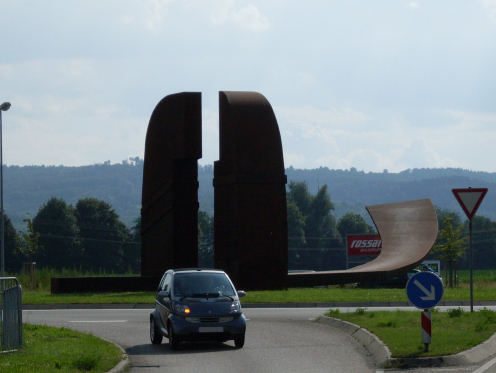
(155, 334)
(173, 341)
(239, 342)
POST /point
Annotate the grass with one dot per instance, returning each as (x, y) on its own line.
(484, 290)
(47, 349)
(294, 295)
(45, 297)
(41, 278)
(400, 330)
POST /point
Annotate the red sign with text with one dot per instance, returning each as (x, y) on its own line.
(364, 244)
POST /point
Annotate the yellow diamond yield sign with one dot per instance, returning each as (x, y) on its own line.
(470, 199)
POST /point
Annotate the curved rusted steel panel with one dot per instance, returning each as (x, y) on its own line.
(408, 231)
(169, 213)
(249, 194)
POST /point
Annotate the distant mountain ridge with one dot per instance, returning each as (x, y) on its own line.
(26, 188)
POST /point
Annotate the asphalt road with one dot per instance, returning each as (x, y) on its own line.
(277, 340)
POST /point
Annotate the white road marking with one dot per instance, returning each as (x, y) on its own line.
(97, 321)
(486, 366)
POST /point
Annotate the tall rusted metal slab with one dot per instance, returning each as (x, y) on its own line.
(250, 228)
(169, 214)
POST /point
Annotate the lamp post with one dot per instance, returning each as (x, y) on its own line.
(3, 107)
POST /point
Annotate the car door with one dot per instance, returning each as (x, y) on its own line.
(163, 301)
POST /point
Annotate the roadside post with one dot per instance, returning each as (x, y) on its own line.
(424, 290)
(470, 200)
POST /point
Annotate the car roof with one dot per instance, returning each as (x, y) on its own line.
(207, 270)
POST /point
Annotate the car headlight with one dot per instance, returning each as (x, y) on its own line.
(182, 309)
(235, 307)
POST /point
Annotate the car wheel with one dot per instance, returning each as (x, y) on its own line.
(155, 335)
(239, 342)
(173, 341)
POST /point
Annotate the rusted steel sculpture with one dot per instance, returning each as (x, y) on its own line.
(250, 204)
(250, 196)
(408, 231)
(169, 214)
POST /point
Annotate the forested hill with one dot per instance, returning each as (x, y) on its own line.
(27, 188)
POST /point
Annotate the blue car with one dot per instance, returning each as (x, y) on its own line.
(195, 305)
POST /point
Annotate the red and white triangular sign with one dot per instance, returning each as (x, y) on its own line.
(470, 199)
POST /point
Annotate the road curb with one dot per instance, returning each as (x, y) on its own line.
(121, 365)
(375, 347)
(382, 355)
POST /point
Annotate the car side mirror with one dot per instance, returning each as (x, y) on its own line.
(241, 293)
(163, 294)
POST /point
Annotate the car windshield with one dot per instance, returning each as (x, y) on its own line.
(202, 285)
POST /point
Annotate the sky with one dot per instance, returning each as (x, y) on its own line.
(372, 85)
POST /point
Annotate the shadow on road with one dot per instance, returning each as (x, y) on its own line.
(184, 348)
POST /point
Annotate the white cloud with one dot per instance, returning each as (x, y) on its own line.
(50, 71)
(149, 14)
(413, 5)
(210, 136)
(472, 118)
(307, 78)
(344, 138)
(244, 16)
(52, 130)
(490, 7)
(155, 12)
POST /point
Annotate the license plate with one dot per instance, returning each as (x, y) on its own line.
(211, 329)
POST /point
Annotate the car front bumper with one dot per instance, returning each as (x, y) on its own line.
(197, 331)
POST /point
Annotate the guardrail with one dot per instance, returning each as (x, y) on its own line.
(11, 313)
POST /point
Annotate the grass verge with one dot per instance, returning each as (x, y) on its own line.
(400, 330)
(47, 349)
(484, 290)
(297, 295)
(45, 297)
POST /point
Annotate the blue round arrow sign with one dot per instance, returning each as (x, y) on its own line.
(424, 290)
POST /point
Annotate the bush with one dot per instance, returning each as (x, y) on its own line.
(455, 312)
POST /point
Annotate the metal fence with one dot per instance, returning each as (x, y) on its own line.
(11, 313)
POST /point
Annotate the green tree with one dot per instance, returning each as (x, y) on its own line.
(296, 225)
(483, 242)
(299, 194)
(352, 223)
(320, 224)
(132, 248)
(28, 241)
(13, 255)
(103, 235)
(205, 240)
(445, 216)
(451, 246)
(56, 225)
(312, 214)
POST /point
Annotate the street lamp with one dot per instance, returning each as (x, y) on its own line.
(3, 107)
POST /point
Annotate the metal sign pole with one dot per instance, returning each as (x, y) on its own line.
(470, 200)
(471, 266)
(425, 321)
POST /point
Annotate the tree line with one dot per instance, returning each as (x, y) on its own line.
(90, 236)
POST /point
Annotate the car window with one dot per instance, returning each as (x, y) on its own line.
(201, 284)
(166, 283)
(161, 284)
